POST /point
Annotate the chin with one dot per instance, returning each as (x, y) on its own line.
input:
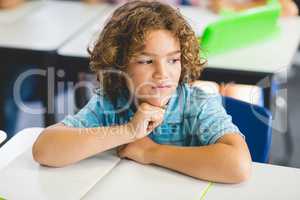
(157, 102)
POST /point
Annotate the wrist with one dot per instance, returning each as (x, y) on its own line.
(130, 132)
(152, 153)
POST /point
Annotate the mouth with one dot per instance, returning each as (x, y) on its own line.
(163, 86)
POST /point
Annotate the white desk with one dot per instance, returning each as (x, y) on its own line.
(9, 16)
(269, 56)
(48, 26)
(267, 182)
(151, 182)
(77, 46)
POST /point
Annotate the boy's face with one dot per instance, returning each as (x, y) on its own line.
(155, 71)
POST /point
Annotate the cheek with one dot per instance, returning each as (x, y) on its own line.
(140, 78)
(175, 73)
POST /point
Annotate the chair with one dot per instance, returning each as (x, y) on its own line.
(255, 123)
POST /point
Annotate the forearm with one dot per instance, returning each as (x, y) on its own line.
(60, 145)
(218, 162)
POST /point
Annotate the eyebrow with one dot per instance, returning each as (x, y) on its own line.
(153, 54)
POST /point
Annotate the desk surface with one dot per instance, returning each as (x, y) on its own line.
(77, 46)
(266, 182)
(9, 16)
(269, 56)
(145, 182)
(45, 25)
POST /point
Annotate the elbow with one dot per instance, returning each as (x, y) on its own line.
(39, 154)
(42, 154)
(242, 171)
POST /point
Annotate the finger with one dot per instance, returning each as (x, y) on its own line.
(156, 119)
(154, 122)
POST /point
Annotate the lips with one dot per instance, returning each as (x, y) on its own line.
(163, 86)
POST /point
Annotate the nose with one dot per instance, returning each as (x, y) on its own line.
(160, 71)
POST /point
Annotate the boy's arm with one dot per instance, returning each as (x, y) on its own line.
(227, 161)
(59, 145)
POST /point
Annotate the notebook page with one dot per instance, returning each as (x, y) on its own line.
(23, 178)
(130, 180)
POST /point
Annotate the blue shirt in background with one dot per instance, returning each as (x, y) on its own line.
(192, 118)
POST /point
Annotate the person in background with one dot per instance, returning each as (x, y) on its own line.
(289, 7)
(10, 4)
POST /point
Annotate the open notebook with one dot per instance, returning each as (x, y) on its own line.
(104, 176)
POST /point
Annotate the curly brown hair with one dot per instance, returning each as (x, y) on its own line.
(124, 34)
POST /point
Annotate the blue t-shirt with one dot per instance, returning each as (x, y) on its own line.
(192, 118)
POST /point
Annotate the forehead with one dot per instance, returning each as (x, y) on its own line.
(161, 42)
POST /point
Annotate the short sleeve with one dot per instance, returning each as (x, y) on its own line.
(89, 116)
(208, 119)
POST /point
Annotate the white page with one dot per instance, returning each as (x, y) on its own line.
(130, 180)
(23, 178)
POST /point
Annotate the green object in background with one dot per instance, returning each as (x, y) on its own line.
(238, 29)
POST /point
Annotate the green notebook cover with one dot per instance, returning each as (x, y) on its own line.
(238, 29)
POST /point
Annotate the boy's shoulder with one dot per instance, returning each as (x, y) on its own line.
(195, 94)
(106, 106)
(189, 100)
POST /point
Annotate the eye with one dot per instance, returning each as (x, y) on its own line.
(173, 61)
(145, 62)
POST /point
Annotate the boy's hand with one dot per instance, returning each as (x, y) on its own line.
(139, 150)
(145, 120)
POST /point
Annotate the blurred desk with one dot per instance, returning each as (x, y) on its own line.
(38, 29)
